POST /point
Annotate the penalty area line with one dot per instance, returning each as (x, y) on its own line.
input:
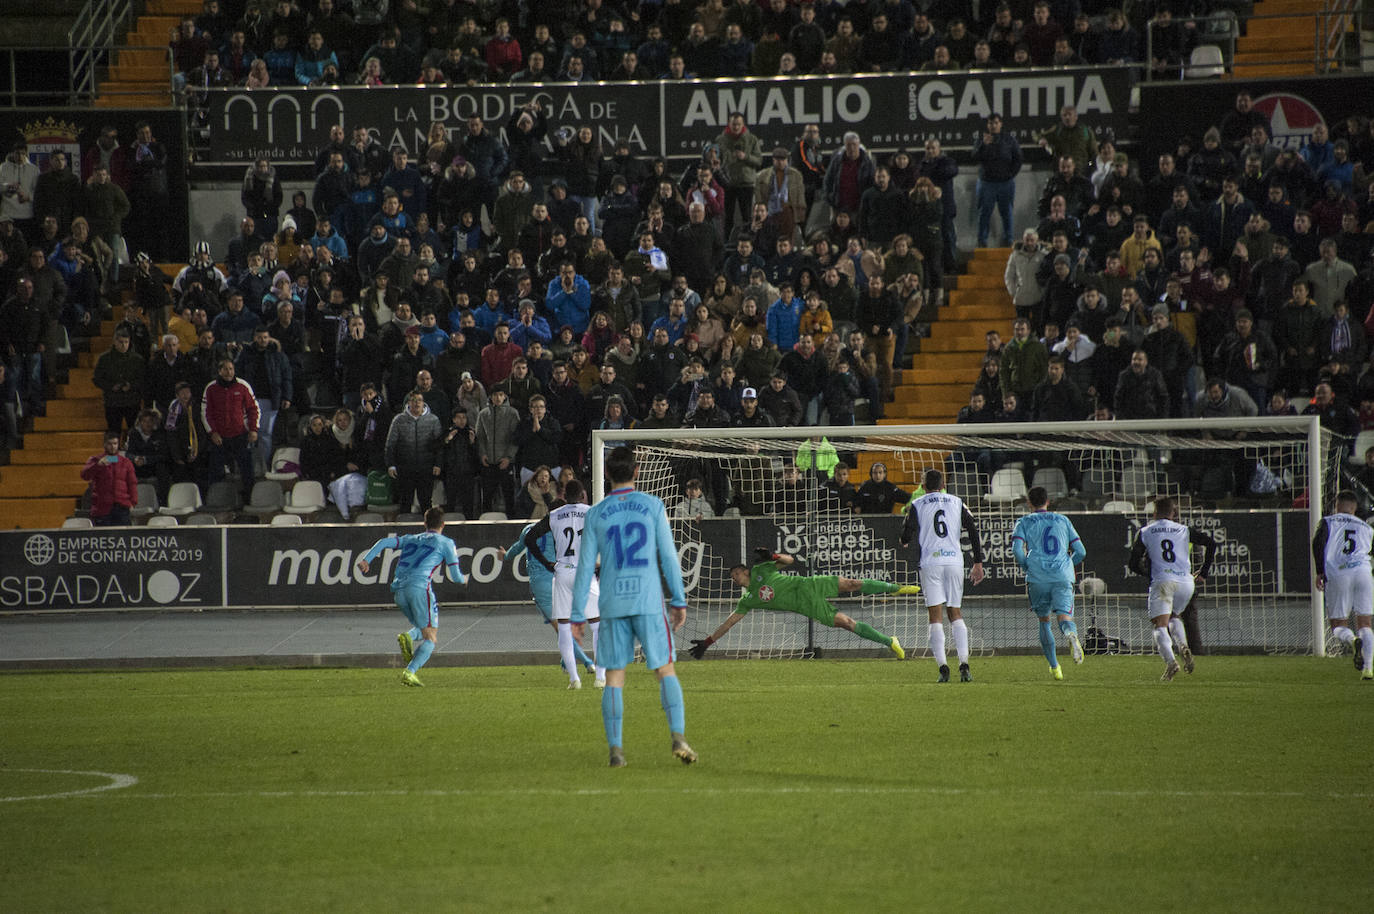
(127, 780)
(114, 782)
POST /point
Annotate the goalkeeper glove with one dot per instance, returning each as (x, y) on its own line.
(763, 554)
(698, 649)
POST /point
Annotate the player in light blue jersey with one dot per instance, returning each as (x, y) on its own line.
(421, 553)
(1047, 548)
(541, 585)
(628, 531)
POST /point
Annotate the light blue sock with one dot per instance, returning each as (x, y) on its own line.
(422, 652)
(670, 695)
(415, 634)
(1047, 644)
(581, 655)
(612, 712)
(1067, 627)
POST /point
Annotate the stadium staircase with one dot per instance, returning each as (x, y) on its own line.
(1279, 47)
(139, 76)
(942, 372)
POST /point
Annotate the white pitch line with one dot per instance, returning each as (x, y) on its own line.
(117, 782)
(687, 791)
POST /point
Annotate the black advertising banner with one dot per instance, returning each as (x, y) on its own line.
(243, 567)
(677, 118)
(112, 568)
(888, 111)
(1170, 111)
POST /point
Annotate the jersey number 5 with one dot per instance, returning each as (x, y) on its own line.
(1349, 542)
(627, 552)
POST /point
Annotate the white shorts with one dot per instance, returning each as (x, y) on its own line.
(562, 596)
(1349, 593)
(1169, 597)
(943, 585)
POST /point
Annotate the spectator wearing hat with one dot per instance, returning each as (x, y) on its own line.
(569, 298)
(529, 326)
(1168, 350)
(261, 195)
(751, 414)
(999, 160)
(618, 214)
(1248, 358)
(783, 190)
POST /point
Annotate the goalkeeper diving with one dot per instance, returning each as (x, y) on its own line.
(767, 588)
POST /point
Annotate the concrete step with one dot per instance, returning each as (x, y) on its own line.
(972, 344)
(986, 280)
(83, 408)
(944, 361)
(91, 425)
(38, 481)
(997, 298)
(134, 57)
(88, 441)
(160, 100)
(888, 420)
(943, 390)
(986, 267)
(988, 312)
(1262, 70)
(173, 7)
(35, 513)
(81, 377)
(41, 453)
(998, 254)
(1281, 28)
(926, 411)
(1300, 54)
(140, 73)
(965, 375)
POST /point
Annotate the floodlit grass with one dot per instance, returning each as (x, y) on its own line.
(822, 786)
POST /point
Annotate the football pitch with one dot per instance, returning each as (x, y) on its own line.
(823, 786)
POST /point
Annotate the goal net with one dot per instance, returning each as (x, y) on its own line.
(1256, 485)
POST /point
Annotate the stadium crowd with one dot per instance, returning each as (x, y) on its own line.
(472, 315)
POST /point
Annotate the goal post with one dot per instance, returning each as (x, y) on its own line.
(1258, 484)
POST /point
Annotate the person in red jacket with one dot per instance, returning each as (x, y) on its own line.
(498, 356)
(230, 411)
(114, 485)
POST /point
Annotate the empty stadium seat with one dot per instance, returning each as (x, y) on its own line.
(286, 520)
(76, 523)
(1052, 478)
(369, 517)
(265, 499)
(163, 520)
(493, 515)
(222, 497)
(286, 465)
(1118, 507)
(1008, 485)
(1206, 62)
(147, 501)
(183, 499)
(200, 520)
(307, 497)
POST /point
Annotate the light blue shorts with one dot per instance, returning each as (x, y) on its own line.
(418, 605)
(542, 590)
(1051, 599)
(615, 647)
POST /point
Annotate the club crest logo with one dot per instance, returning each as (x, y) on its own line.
(1291, 118)
(766, 593)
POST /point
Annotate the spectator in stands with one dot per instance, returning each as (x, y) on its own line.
(1070, 138)
(1226, 217)
(1019, 277)
(1224, 401)
(1328, 277)
(850, 173)
(1168, 351)
(999, 160)
(266, 369)
(229, 411)
(1248, 359)
(1334, 415)
(1024, 361)
(146, 448)
(1140, 390)
(119, 373)
(1297, 331)
(412, 453)
(114, 486)
(878, 495)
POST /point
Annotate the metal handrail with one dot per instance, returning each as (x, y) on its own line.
(1337, 16)
(89, 41)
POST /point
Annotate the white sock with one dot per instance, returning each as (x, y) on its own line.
(1179, 633)
(1343, 634)
(937, 642)
(959, 630)
(565, 650)
(596, 634)
(1166, 649)
(1367, 640)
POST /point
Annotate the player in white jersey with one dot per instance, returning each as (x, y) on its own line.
(1162, 550)
(565, 524)
(1341, 549)
(936, 522)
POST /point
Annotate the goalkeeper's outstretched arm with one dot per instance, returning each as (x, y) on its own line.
(699, 647)
(1139, 562)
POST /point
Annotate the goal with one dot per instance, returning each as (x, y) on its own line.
(1255, 484)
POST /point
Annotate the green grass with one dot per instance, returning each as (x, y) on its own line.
(822, 786)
